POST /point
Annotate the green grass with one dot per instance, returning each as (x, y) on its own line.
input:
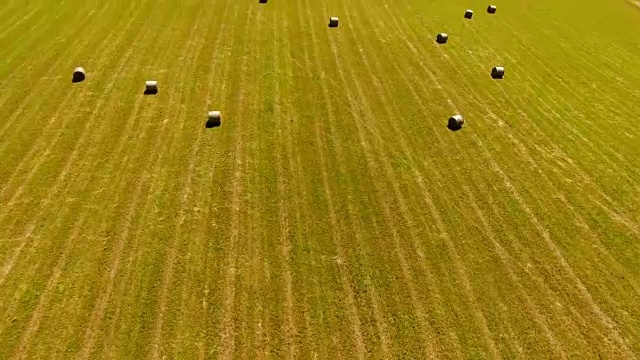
(332, 215)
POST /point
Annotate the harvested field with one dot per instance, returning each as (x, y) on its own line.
(333, 215)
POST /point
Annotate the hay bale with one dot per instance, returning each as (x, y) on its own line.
(468, 14)
(442, 38)
(151, 88)
(491, 9)
(455, 122)
(213, 119)
(78, 75)
(333, 21)
(497, 72)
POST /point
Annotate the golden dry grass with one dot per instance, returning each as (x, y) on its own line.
(332, 215)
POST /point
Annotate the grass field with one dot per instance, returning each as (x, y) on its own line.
(333, 214)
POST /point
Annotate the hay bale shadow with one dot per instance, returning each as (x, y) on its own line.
(150, 92)
(211, 125)
(77, 78)
(454, 127)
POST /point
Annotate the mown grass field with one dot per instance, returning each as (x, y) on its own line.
(333, 214)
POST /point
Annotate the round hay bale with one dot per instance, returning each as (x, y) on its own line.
(497, 72)
(468, 14)
(491, 9)
(214, 119)
(78, 75)
(333, 21)
(455, 122)
(151, 87)
(442, 38)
